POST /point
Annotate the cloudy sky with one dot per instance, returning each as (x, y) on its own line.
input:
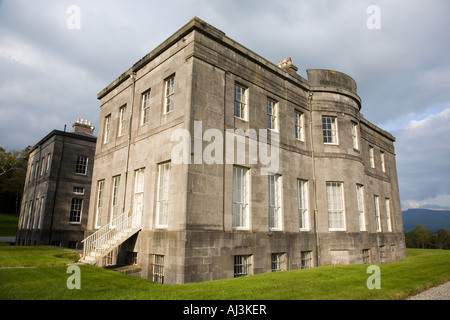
(51, 72)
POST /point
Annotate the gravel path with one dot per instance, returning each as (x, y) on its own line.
(441, 292)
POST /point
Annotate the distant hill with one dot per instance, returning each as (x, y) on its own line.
(433, 220)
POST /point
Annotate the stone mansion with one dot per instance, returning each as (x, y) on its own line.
(212, 162)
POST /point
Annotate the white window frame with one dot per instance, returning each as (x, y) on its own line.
(376, 203)
(298, 125)
(30, 209)
(47, 169)
(41, 213)
(139, 184)
(42, 166)
(157, 268)
(99, 203)
(330, 130)
(107, 129)
(76, 211)
(371, 157)
(303, 205)
(162, 209)
(122, 119)
(306, 259)
(336, 206)
(355, 135)
(275, 210)
(360, 201)
(388, 214)
(115, 199)
(272, 115)
(145, 108)
(169, 94)
(81, 166)
(278, 261)
(78, 190)
(240, 198)
(240, 101)
(243, 265)
(383, 161)
(37, 209)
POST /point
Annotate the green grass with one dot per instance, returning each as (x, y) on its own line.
(24, 256)
(420, 270)
(8, 225)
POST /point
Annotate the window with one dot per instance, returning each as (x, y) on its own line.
(122, 118)
(36, 171)
(303, 217)
(145, 112)
(366, 256)
(275, 202)
(382, 254)
(48, 163)
(78, 190)
(163, 195)
(360, 199)
(242, 265)
(41, 213)
(355, 135)
(42, 166)
(139, 192)
(383, 162)
(278, 260)
(75, 211)
(30, 212)
(240, 198)
(335, 202)
(23, 216)
(37, 210)
(157, 269)
(298, 122)
(388, 215)
(272, 111)
(240, 102)
(115, 198)
(376, 205)
(306, 259)
(329, 127)
(371, 157)
(31, 173)
(99, 204)
(81, 166)
(107, 129)
(170, 90)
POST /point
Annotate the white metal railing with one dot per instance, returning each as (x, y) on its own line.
(110, 236)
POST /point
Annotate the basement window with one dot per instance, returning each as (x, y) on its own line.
(157, 268)
(242, 265)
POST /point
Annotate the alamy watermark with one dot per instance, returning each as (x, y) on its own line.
(73, 22)
(374, 281)
(228, 149)
(374, 19)
(74, 281)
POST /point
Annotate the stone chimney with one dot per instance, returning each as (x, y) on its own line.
(287, 65)
(83, 126)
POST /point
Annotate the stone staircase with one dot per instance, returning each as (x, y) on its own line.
(109, 237)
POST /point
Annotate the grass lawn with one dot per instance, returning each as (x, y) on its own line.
(420, 270)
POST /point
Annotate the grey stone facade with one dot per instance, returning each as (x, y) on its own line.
(192, 229)
(57, 189)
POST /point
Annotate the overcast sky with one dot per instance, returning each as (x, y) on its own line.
(50, 73)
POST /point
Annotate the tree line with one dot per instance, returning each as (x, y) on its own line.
(13, 170)
(422, 238)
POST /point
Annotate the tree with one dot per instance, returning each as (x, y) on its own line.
(422, 238)
(13, 169)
